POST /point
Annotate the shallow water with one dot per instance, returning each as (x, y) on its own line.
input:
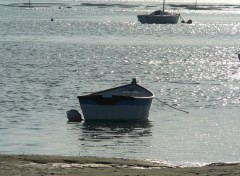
(45, 65)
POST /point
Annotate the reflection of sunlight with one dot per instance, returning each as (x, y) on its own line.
(236, 76)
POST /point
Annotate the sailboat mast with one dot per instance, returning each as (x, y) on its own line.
(196, 5)
(163, 6)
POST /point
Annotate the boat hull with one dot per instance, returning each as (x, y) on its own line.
(120, 108)
(158, 19)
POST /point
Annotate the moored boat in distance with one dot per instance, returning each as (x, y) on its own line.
(159, 17)
(123, 103)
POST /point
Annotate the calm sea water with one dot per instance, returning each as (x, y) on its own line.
(46, 64)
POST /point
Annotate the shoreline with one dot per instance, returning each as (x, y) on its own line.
(200, 6)
(31, 165)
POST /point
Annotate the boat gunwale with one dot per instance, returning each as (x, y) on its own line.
(169, 15)
(127, 85)
(120, 97)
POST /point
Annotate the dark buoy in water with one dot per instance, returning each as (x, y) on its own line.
(189, 21)
(239, 56)
(51, 19)
(74, 116)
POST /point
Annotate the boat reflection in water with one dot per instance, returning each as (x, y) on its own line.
(110, 139)
(115, 136)
(97, 130)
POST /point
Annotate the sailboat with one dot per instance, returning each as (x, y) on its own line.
(159, 17)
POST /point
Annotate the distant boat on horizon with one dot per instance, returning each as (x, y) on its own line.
(159, 17)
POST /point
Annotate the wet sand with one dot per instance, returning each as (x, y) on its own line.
(41, 165)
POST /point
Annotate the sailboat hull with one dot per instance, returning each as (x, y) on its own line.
(159, 19)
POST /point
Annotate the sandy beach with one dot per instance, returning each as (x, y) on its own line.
(42, 165)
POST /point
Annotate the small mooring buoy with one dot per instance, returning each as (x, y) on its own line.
(74, 116)
(239, 56)
(51, 19)
(188, 22)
